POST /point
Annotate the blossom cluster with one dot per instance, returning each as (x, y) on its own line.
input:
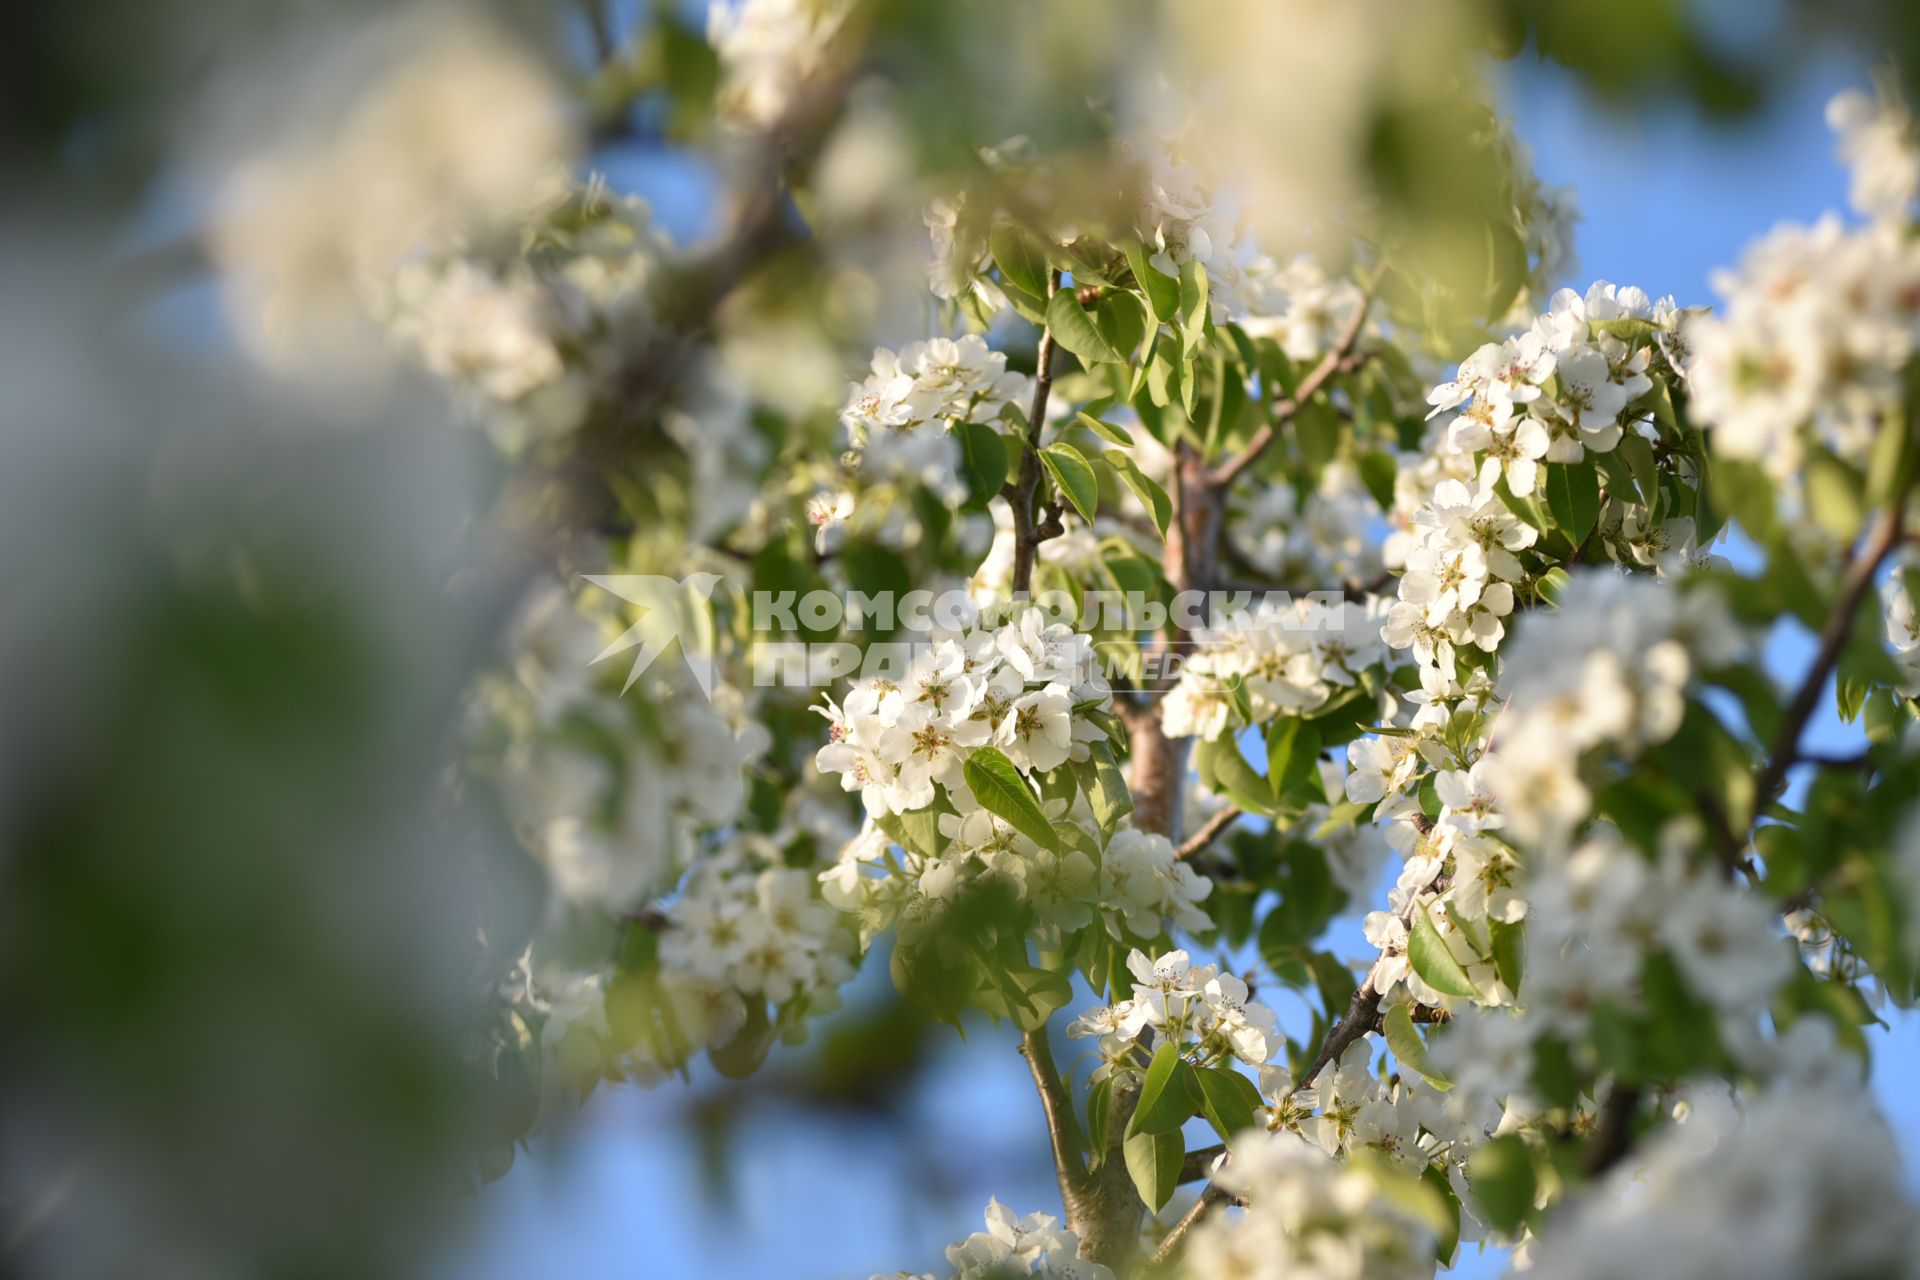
(1320, 535)
(1182, 223)
(1902, 621)
(1793, 1184)
(1139, 887)
(1306, 1215)
(943, 380)
(1611, 665)
(1034, 1245)
(744, 921)
(1206, 1011)
(1457, 590)
(1600, 911)
(514, 324)
(1558, 389)
(770, 52)
(1819, 322)
(1409, 1123)
(1297, 305)
(1288, 658)
(607, 796)
(1022, 687)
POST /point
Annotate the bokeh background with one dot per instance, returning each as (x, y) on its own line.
(812, 1179)
(234, 631)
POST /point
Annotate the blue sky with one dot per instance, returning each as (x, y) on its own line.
(1665, 198)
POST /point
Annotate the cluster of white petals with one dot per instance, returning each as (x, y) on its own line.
(745, 921)
(1306, 1215)
(1820, 321)
(511, 325)
(612, 809)
(940, 380)
(1289, 658)
(1206, 1011)
(770, 52)
(1022, 687)
(1610, 665)
(1792, 1186)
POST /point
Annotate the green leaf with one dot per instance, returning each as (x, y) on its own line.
(1169, 1095)
(1501, 1174)
(1743, 491)
(1193, 306)
(1573, 495)
(983, 462)
(1509, 948)
(1019, 256)
(1104, 785)
(1027, 994)
(1154, 498)
(1228, 1099)
(1153, 1161)
(1430, 957)
(997, 785)
(1835, 495)
(1638, 454)
(741, 1056)
(1099, 1113)
(1121, 317)
(1447, 1241)
(1224, 770)
(1162, 290)
(1075, 330)
(1105, 430)
(1409, 1050)
(1551, 583)
(1293, 752)
(1074, 475)
(917, 832)
(1377, 471)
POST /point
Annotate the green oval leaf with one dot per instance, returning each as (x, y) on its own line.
(1228, 1099)
(1105, 430)
(1169, 1095)
(1154, 498)
(998, 786)
(1022, 262)
(1502, 1178)
(1430, 957)
(983, 461)
(1409, 1050)
(1074, 329)
(1074, 474)
(1153, 1161)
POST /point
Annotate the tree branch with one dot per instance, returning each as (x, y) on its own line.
(1213, 826)
(1063, 1130)
(1198, 1163)
(1027, 536)
(1880, 541)
(1209, 1198)
(1334, 361)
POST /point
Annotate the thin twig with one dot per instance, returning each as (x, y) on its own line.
(1331, 363)
(1866, 561)
(1209, 1198)
(1027, 536)
(1205, 835)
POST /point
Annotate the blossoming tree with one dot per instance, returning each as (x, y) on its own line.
(1635, 930)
